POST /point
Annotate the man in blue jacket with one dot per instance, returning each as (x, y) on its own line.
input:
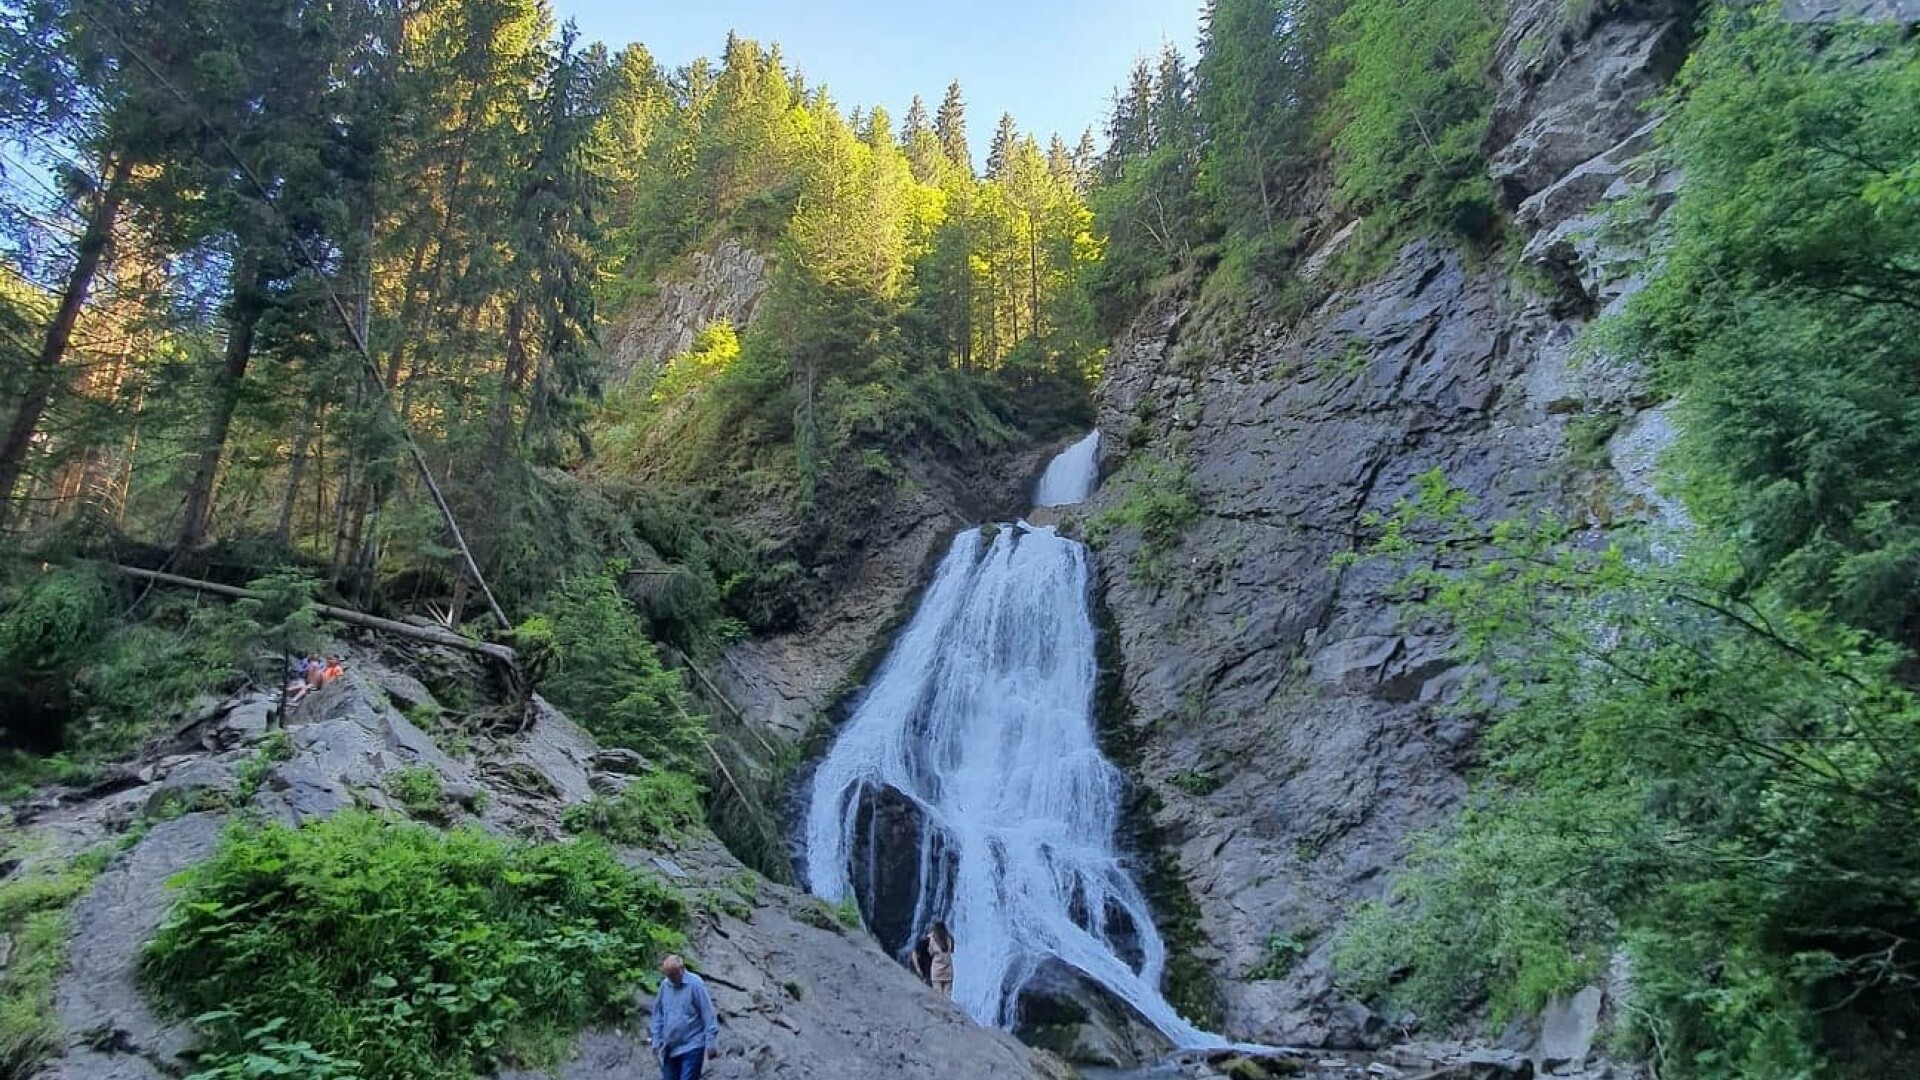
(684, 1028)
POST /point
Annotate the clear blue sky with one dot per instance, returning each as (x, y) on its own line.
(1052, 63)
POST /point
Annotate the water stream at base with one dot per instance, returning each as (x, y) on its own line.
(972, 760)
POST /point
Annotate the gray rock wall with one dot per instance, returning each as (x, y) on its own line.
(723, 284)
(1295, 717)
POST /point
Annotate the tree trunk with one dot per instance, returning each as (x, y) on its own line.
(94, 243)
(296, 472)
(1033, 276)
(500, 424)
(249, 300)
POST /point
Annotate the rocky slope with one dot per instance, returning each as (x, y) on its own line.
(1296, 722)
(798, 994)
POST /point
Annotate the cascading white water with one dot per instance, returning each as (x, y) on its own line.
(978, 732)
(1072, 476)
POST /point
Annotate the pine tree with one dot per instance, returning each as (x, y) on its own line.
(1000, 153)
(950, 125)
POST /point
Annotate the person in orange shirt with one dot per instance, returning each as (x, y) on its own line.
(334, 669)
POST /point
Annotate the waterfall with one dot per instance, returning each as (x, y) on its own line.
(1072, 476)
(968, 785)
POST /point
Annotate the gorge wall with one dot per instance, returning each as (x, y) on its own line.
(1296, 721)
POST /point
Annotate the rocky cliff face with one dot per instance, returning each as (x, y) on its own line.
(722, 284)
(1295, 719)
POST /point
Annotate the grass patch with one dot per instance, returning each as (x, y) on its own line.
(417, 789)
(35, 913)
(358, 946)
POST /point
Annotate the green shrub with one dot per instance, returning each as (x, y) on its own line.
(660, 804)
(46, 634)
(1283, 952)
(417, 788)
(414, 953)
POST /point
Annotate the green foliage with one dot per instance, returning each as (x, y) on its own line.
(95, 679)
(1196, 782)
(1283, 952)
(1413, 101)
(34, 907)
(417, 789)
(1158, 506)
(655, 807)
(848, 912)
(1716, 784)
(445, 954)
(1588, 436)
(608, 675)
(1782, 313)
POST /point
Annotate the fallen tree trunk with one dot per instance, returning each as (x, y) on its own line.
(431, 635)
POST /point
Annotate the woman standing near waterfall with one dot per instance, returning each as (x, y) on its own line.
(939, 958)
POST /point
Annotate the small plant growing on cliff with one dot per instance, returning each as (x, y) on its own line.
(417, 788)
(1196, 782)
(1159, 506)
(656, 807)
(1284, 950)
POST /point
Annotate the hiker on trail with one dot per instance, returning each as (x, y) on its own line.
(938, 946)
(684, 1030)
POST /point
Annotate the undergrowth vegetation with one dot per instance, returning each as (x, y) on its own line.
(607, 674)
(363, 947)
(660, 805)
(1158, 507)
(35, 917)
(89, 667)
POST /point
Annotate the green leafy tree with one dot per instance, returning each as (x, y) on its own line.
(1412, 105)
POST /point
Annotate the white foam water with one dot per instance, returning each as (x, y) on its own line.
(981, 718)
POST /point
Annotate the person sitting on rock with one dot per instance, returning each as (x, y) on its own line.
(684, 1030)
(296, 687)
(316, 673)
(334, 667)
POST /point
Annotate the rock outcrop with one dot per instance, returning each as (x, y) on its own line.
(798, 994)
(724, 283)
(1295, 719)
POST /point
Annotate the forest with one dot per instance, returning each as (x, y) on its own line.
(315, 299)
